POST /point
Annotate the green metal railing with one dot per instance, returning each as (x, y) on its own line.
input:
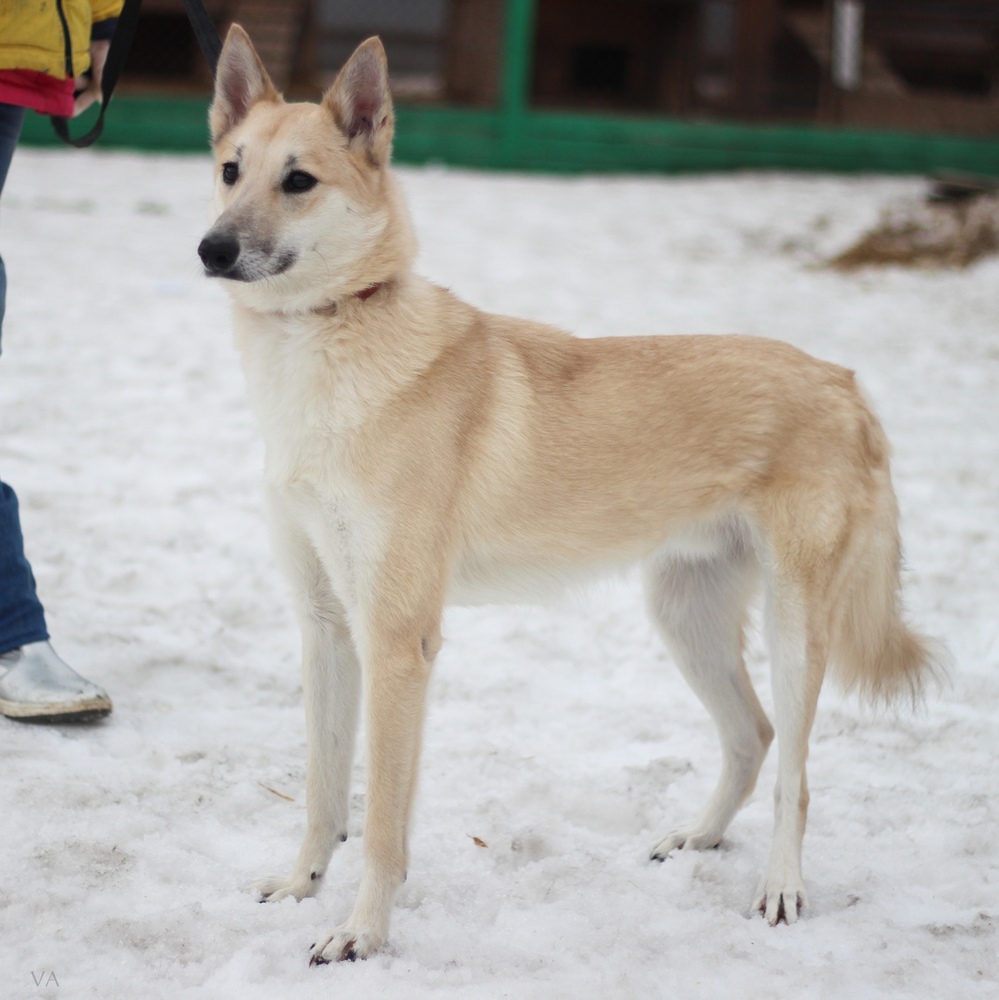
(515, 137)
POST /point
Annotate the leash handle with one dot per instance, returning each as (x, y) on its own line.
(121, 45)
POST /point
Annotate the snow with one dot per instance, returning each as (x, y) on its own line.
(562, 738)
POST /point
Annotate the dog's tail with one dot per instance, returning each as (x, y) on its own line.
(873, 651)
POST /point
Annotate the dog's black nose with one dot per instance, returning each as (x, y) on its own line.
(218, 253)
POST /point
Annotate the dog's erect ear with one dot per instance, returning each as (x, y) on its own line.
(361, 102)
(240, 81)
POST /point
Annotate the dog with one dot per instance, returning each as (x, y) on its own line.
(420, 452)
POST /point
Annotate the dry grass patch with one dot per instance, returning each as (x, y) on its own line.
(946, 231)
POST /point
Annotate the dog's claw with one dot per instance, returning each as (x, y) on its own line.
(348, 953)
(689, 838)
(787, 911)
(275, 888)
(346, 945)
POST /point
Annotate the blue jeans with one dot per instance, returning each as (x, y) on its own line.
(11, 119)
(22, 619)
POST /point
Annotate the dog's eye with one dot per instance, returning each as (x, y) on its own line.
(230, 171)
(298, 181)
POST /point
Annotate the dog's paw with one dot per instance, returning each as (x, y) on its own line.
(780, 900)
(346, 944)
(688, 838)
(277, 887)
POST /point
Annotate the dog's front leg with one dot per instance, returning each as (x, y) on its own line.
(331, 680)
(396, 675)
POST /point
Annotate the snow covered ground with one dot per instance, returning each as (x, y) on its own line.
(562, 738)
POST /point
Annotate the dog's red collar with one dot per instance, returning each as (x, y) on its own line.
(333, 307)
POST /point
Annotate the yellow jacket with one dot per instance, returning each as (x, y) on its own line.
(51, 36)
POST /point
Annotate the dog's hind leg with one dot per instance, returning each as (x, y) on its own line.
(699, 604)
(331, 686)
(798, 647)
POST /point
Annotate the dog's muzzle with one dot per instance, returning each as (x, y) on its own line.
(219, 253)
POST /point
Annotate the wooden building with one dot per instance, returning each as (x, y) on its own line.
(623, 85)
(923, 65)
(907, 64)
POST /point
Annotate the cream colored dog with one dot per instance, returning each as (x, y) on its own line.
(420, 452)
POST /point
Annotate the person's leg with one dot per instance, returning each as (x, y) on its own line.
(11, 119)
(35, 684)
(22, 619)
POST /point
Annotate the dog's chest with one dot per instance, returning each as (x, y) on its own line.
(309, 413)
(342, 533)
(316, 490)
(305, 383)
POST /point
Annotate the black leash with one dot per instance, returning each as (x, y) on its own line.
(205, 31)
(121, 44)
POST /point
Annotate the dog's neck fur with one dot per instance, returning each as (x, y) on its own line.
(348, 363)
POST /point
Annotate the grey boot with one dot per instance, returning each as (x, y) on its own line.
(37, 686)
